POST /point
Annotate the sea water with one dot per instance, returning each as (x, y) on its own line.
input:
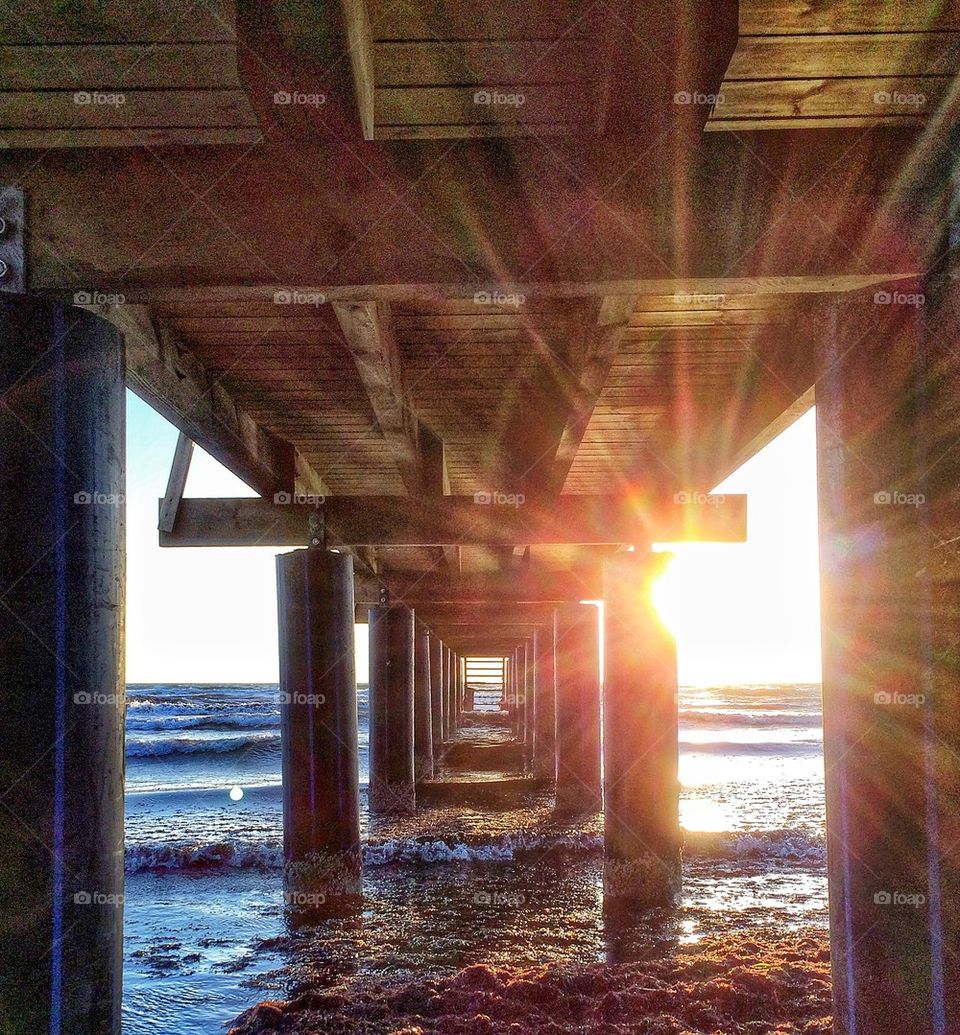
(206, 934)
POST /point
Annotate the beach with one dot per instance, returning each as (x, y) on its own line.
(472, 911)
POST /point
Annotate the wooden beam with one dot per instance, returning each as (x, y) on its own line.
(177, 385)
(370, 340)
(412, 521)
(360, 44)
(176, 483)
(536, 586)
(599, 351)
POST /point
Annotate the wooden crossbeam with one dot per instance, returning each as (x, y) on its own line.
(177, 385)
(533, 585)
(599, 350)
(371, 342)
(414, 521)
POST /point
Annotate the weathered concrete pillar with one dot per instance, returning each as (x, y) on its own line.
(578, 709)
(61, 668)
(888, 413)
(545, 724)
(641, 784)
(318, 727)
(467, 690)
(391, 709)
(436, 694)
(422, 707)
(457, 688)
(515, 692)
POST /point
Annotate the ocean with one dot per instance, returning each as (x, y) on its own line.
(206, 936)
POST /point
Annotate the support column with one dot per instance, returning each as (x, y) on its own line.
(422, 707)
(888, 414)
(318, 726)
(641, 796)
(436, 695)
(457, 689)
(391, 709)
(578, 709)
(448, 695)
(528, 705)
(62, 582)
(545, 725)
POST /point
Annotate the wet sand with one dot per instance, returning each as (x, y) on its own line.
(756, 984)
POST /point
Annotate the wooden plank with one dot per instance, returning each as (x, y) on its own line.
(813, 283)
(191, 66)
(454, 131)
(462, 105)
(828, 55)
(411, 521)
(118, 21)
(873, 98)
(370, 341)
(441, 62)
(162, 108)
(789, 16)
(480, 20)
(131, 137)
(750, 123)
(360, 44)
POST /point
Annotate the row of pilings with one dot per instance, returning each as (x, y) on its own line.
(418, 696)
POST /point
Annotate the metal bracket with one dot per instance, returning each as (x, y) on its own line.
(318, 530)
(13, 218)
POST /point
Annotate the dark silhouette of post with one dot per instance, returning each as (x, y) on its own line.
(62, 585)
(392, 778)
(545, 723)
(318, 727)
(578, 709)
(641, 798)
(422, 707)
(449, 727)
(436, 695)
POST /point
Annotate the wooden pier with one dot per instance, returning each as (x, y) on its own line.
(479, 355)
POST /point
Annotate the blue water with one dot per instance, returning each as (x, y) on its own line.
(205, 934)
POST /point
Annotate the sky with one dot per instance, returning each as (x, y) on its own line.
(742, 613)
